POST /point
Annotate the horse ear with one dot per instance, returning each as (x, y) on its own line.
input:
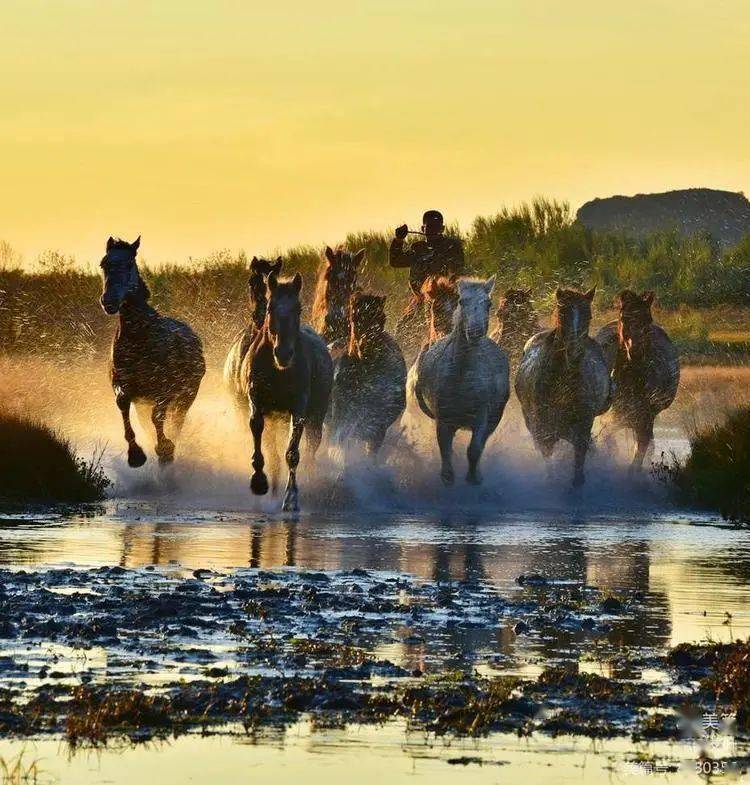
(489, 285)
(589, 295)
(330, 255)
(110, 243)
(273, 282)
(276, 266)
(297, 282)
(648, 298)
(559, 294)
(137, 244)
(254, 260)
(359, 256)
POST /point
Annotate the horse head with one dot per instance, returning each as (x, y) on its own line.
(121, 277)
(260, 269)
(366, 321)
(335, 286)
(472, 316)
(441, 295)
(572, 320)
(515, 307)
(634, 323)
(284, 317)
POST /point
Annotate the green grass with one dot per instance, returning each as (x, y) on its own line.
(36, 465)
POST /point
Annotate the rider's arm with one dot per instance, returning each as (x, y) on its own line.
(398, 256)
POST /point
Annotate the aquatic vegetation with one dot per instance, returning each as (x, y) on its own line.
(716, 474)
(41, 466)
(731, 679)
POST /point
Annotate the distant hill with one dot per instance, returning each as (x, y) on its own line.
(726, 215)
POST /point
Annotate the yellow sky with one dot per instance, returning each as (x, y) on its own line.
(244, 124)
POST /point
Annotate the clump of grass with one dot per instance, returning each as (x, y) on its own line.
(732, 681)
(716, 474)
(19, 771)
(37, 465)
(94, 716)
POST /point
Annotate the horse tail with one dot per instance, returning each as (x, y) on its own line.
(417, 392)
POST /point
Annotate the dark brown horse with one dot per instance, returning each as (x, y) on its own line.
(156, 361)
(516, 323)
(562, 380)
(337, 281)
(369, 388)
(645, 369)
(260, 269)
(287, 373)
(441, 298)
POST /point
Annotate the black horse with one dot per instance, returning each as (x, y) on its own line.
(156, 361)
(288, 372)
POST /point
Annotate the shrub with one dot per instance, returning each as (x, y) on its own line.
(36, 465)
(716, 474)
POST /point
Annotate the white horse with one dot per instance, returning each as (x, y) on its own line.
(462, 380)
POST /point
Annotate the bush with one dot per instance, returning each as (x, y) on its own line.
(716, 474)
(36, 465)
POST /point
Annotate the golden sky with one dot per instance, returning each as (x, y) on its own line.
(245, 124)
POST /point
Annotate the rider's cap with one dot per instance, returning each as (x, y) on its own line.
(433, 219)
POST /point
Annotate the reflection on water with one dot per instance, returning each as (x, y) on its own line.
(693, 573)
(306, 754)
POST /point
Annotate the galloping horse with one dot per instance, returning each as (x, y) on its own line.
(287, 372)
(336, 283)
(260, 269)
(517, 322)
(645, 369)
(156, 361)
(441, 298)
(369, 388)
(562, 380)
(461, 381)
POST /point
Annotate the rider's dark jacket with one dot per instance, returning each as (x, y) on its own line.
(436, 255)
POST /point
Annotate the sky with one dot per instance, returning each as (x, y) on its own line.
(241, 124)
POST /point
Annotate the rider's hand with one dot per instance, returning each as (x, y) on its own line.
(401, 232)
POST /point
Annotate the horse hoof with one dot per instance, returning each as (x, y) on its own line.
(165, 451)
(136, 456)
(259, 484)
(448, 478)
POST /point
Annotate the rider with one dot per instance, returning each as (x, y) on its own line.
(436, 254)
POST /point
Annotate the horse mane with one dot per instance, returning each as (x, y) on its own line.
(358, 299)
(565, 294)
(436, 286)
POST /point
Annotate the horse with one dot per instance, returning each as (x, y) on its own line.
(287, 372)
(516, 323)
(156, 361)
(260, 269)
(645, 368)
(441, 298)
(336, 283)
(563, 381)
(369, 387)
(462, 380)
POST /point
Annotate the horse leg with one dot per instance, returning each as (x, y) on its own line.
(291, 496)
(581, 441)
(164, 446)
(445, 434)
(313, 437)
(374, 443)
(644, 434)
(259, 481)
(479, 436)
(136, 456)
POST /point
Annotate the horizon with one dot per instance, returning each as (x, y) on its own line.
(232, 127)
